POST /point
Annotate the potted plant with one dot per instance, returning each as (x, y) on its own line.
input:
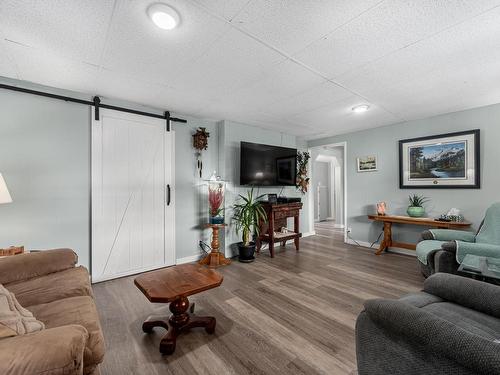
(248, 213)
(416, 207)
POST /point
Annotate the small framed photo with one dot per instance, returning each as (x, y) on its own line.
(367, 164)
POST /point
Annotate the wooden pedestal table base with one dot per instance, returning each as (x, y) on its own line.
(180, 321)
(173, 285)
(215, 258)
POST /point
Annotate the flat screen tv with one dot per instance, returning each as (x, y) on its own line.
(265, 165)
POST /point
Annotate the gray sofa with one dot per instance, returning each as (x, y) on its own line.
(451, 327)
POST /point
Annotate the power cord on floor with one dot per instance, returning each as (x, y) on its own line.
(357, 243)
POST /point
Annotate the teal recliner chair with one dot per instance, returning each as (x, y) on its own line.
(442, 250)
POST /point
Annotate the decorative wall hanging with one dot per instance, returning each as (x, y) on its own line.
(367, 164)
(200, 143)
(302, 179)
(440, 161)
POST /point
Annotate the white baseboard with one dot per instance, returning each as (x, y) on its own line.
(308, 234)
(375, 247)
(189, 259)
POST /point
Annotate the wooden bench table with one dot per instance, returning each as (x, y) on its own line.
(388, 220)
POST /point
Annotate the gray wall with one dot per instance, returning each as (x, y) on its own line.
(230, 135)
(365, 189)
(44, 157)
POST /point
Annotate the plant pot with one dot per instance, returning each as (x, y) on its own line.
(415, 211)
(246, 252)
(216, 220)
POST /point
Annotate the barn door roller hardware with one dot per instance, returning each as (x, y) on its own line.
(96, 103)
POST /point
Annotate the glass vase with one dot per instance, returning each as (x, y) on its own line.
(216, 192)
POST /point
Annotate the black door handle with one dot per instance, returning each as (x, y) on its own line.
(168, 195)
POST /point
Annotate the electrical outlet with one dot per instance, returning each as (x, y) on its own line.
(349, 229)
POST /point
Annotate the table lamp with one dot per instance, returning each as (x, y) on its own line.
(4, 192)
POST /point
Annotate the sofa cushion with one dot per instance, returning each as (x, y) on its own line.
(75, 310)
(473, 321)
(16, 317)
(72, 282)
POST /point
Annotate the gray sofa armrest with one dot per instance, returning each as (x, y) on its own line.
(445, 261)
(434, 335)
(54, 351)
(476, 295)
(26, 266)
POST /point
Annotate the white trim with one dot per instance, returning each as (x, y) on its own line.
(308, 234)
(344, 193)
(396, 250)
(128, 273)
(189, 259)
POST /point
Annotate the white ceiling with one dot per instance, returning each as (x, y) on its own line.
(297, 66)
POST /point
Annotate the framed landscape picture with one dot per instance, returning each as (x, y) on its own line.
(440, 161)
(367, 164)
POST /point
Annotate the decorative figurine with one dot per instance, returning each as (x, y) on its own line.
(381, 208)
(200, 143)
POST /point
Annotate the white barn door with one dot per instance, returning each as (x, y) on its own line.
(132, 195)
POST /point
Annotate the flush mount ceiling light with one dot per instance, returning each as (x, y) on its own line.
(164, 16)
(360, 108)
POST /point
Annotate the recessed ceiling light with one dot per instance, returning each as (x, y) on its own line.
(164, 16)
(360, 108)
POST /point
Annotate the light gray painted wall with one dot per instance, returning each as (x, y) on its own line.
(365, 189)
(44, 156)
(45, 159)
(231, 134)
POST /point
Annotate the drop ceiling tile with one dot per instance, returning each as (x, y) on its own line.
(71, 29)
(224, 8)
(118, 86)
(454, 70)
(7, 65)
(386, 28)
(339, 117)
(318, 96)
(47, 69)
(293, 24)
(284, 80)
(234, 60)
(137, 47)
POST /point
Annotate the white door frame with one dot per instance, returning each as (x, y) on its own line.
(171, 181)
(344, 175)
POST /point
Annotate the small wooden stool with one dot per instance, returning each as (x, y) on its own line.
(173, 285)
(215, 258)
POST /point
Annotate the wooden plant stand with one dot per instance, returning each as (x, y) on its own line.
(173, 285)
(215, 258)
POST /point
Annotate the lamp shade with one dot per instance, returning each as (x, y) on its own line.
(4, 192)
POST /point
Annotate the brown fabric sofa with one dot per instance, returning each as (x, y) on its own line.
(59, 294)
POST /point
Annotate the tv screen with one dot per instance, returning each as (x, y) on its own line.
(265, 165)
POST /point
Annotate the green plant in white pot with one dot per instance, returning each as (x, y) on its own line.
(248, 214)
(416, 207)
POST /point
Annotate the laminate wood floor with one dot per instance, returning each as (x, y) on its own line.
(294, 314)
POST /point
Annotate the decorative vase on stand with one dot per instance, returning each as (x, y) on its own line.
(216, 193)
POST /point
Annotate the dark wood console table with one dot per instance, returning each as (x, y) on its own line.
(277, 215)
(388, 220)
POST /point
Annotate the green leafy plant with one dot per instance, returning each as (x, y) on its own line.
(248, 213)
(417, 200)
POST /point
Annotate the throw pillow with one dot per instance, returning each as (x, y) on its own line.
(16, 317)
